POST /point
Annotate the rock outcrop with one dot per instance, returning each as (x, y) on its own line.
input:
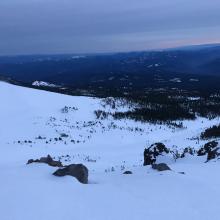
(47, 160)
(160, 167)
(79, 171)
(151, 153)
(210, 149)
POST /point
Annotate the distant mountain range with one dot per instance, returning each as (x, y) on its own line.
(196, 47)
(120, 70)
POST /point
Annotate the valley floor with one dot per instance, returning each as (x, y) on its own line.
(35, 123)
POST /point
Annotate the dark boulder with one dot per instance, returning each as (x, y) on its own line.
(160, 167)
(151, 153)
(48, 160)
(63, 135)
(127, 172)
(210, 149)
(79, 171)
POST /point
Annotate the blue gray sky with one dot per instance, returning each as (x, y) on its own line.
(87, 26)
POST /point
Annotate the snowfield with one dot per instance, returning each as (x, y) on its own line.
(36, 123)
(43, 84)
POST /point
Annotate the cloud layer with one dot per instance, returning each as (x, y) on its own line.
(79, 26)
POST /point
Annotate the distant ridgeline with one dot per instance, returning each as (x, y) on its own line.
(189, 69)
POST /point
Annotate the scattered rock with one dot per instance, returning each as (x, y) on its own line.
(79, 171)
(160, 167)
(65, 109)
(127, 172)
(48, 160)
(182, 173)
(210, 149)
(63, 135)
(151, 153)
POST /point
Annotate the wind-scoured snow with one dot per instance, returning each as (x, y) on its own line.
(31, 123)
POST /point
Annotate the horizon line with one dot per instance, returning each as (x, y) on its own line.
(187, 46)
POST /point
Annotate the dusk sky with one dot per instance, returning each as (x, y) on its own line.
(81, 26)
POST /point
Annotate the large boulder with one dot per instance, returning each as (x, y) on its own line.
(48, 160)
(151, 153)
(210, 149)
(79, 171)
(160, 167)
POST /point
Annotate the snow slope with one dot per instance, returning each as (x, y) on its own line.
(31, 121)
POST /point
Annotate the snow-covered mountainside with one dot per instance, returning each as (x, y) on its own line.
(44, 84)
(36, 123)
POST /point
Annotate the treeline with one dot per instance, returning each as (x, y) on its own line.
(212, 132)
(162, 113)
(157, 107)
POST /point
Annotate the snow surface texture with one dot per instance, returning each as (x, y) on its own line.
(32, 122)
